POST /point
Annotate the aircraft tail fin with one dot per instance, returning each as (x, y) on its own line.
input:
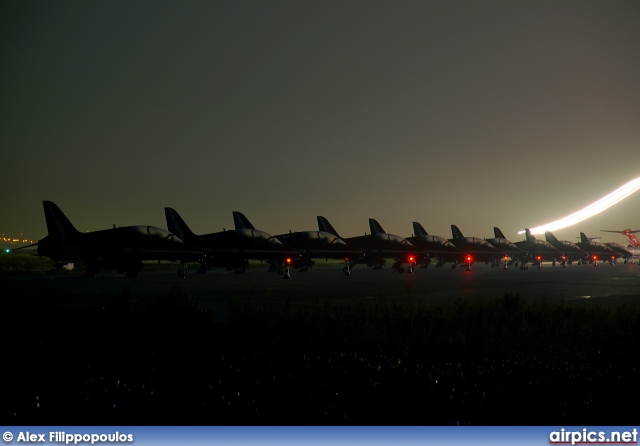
(498, 233)
(455, 232)
(241, 221)
(325, 226)
(375, 227)
(57, 223)
(528, 235)
(177, 226)
(631, 235)
(584, 238)
(550, 237)
(418, 230)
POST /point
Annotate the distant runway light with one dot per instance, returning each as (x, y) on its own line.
(593, 209)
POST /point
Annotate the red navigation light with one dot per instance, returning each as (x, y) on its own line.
(613, 257)
(346, 259)
(505, 258)
(595, 257)
(469, 258)
(288, 260)
(538, 257)
(411, 258)
(564, 257)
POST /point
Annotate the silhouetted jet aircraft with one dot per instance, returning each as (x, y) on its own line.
(570, 251)
(597, 251)
(475, 249)
(233, 249)
(377, 246)
(319, 245)
(537, 250)
(509, 248)
(122, 249)
(435, 247)
(626, 253)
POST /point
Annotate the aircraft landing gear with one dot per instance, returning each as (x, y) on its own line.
(90, 271)
(346, 270)
(397, 267)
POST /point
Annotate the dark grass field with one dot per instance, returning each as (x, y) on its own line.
(172, 362)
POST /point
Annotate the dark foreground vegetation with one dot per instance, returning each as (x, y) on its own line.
(173, 362)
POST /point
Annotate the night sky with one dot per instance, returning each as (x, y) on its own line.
(474, 113)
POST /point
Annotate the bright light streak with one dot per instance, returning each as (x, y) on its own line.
(593, 209)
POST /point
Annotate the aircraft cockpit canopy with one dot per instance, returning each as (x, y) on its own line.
(154, 232)
(258, 235)
(395, 239)
(480, 241)
(324, 237)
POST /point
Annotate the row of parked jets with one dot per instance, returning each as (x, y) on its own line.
(125, 248)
